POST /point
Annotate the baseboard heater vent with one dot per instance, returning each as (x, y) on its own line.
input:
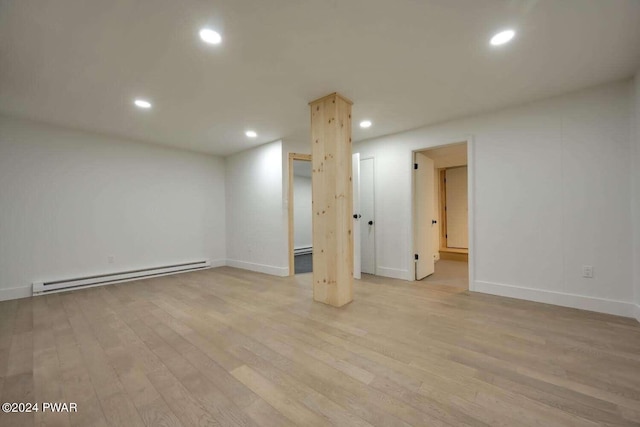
(41, 288)
(303, 251)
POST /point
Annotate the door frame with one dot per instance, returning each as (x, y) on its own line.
(292, 157)
(375, 217)
(471, 197)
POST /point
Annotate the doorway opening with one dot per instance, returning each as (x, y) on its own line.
(300, 215)
(441, 215)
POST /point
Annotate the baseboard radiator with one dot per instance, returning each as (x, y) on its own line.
(42, 288)
(303, 251)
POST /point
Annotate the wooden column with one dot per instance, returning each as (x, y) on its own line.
(332, 200)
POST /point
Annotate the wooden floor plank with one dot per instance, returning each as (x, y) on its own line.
(227, 347)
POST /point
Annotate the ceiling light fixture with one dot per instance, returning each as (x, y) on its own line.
(142, 103)
(365, 124)
(502, 37)
(209, 36)
(251, 134)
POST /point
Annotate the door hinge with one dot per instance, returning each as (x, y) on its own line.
(416, 257)
(446, 236)
(415, 166)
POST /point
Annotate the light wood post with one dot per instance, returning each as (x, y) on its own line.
(332, 200)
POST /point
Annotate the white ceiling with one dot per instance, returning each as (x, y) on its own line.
(448, 156)
(404, 63)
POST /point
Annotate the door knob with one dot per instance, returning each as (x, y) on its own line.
(370, 222)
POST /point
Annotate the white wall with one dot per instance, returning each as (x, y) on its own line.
(552, 193)
(256, 215)
(291, 146)
(636, 195)
(552, 190)
(69, 200)
(302, 214)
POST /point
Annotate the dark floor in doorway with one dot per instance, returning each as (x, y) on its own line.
(303, 263)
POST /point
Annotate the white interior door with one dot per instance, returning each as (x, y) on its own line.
(355, 179)
(367, 222)
(423, 215)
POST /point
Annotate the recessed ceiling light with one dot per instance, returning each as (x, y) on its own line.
(502, 37)
(142, 103)
(365, 124)
(209, 36)
(251, 134)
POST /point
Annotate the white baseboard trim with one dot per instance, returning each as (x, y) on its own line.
(218, 263)
(27, 291)
(637, 312)
(394, 273)
(15, 293)
(600, 305)
(260, 268)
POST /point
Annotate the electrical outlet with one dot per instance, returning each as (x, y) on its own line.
(587, 271)
(111, 259)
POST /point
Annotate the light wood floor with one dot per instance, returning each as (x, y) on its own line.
(449, 272)
(228, 347)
